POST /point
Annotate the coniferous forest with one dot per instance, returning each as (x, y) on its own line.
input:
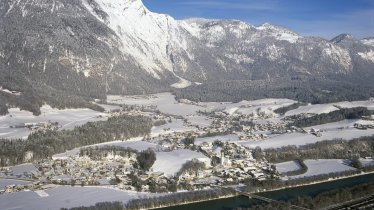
(44, 144)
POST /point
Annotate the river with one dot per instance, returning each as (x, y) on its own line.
(284, 194)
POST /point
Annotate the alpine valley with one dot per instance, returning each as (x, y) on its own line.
(68, 52)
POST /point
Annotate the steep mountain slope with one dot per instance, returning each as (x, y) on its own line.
(67, 52)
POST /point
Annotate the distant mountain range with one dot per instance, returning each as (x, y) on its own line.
(68, 52)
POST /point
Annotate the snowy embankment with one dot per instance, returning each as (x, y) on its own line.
(324, 166)
(171, 162)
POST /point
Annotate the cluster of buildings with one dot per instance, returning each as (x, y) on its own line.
(228, 163)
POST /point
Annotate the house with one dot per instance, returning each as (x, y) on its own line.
(10, 188)
(316, 132)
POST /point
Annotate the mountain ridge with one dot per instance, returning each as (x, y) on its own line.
(67, 53)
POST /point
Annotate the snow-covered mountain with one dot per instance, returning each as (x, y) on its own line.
(368, 41)
(93, 47)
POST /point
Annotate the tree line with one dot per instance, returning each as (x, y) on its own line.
(333, 149)
(302, 170)
(335, 116)
(310, 90)
(44, 144)
(254, 185)
(31, 100)
(283, 110)
(99, 153)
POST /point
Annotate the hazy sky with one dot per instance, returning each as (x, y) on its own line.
(325, 18)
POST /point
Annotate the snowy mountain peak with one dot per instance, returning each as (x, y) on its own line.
(144, 35)
(266, 26)
(199, 21)
(341, 38)
(279, 33)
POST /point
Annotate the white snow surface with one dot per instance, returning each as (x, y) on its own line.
(175, 126)
(369, 42)
(369, 56)
(165, 102)
(65, 197)
(23, 168)
(227, 138)
(298, 139)
(8, 91)
(344, 124)
(327, 108)
(367, 162)
(171, 162)
(279, 32)
(339, 55)
(67, 119)
(183, 83)
(266, 106)
(133, 144)
(324, 166)
(145, 36)
(202, 121)
(287, 166)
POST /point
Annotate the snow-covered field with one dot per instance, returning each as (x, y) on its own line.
(23, 168)
(67, 119)
(324, 166)
(227, 138)
(110, 108)
(367, 162)
(171, 162)
(287, 166)
(298, 139)
(133, 143)
(201, 121)
(344, 124)
(64, 197)
(165, 102)
(326, 108)
(266, 106)
(175, 126)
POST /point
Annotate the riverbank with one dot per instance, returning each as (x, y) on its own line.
(192, 202)
(272, 191)
(317, 182)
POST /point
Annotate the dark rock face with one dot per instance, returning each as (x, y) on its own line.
(66, 52)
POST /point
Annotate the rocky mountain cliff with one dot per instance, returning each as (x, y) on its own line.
(68, 52)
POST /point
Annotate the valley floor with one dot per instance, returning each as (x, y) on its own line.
(228, 138)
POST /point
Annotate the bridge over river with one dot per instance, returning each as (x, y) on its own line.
(267, 200)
